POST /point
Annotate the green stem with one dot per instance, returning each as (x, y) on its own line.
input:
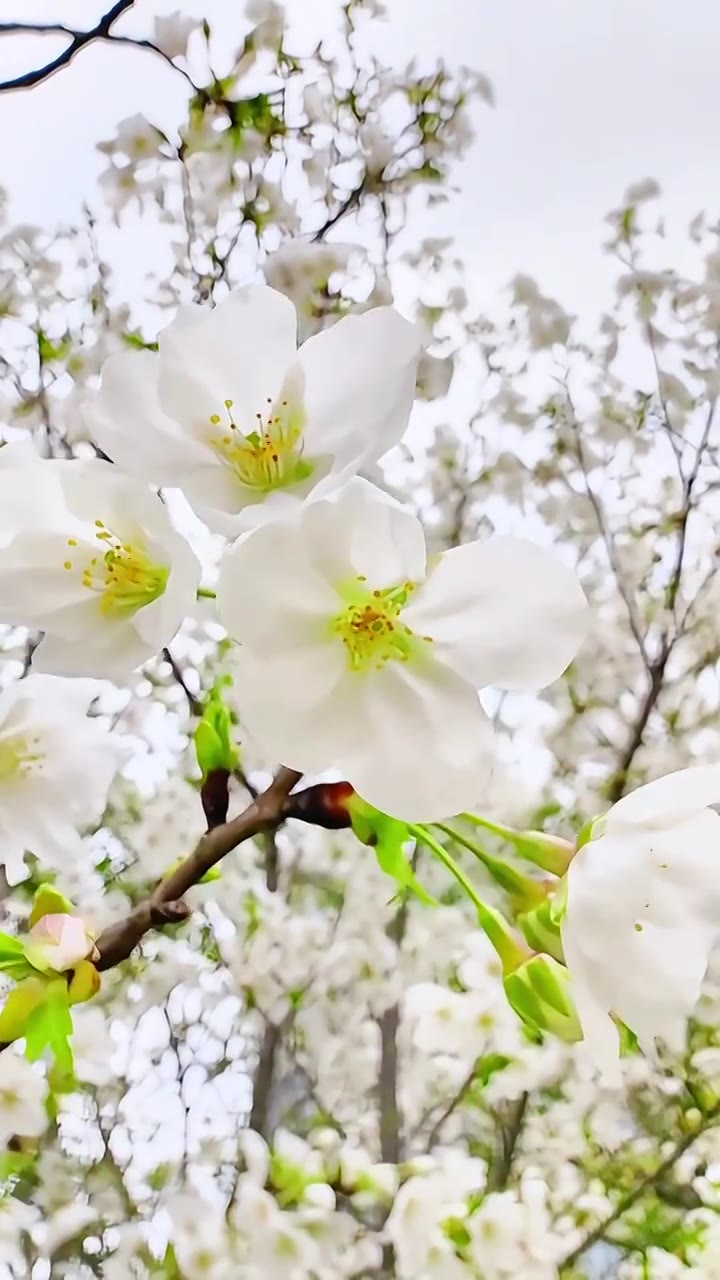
(552, 853)
(493, 924)
(528, 892)
(205, 593)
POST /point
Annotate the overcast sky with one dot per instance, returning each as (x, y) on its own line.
(591, 95)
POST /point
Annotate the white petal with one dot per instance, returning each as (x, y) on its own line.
(126, 419)
(359, 530)
(640, 922)
(600, 1035)
(424, 748)
(503, 612)
(670, 797)
(270, 596)
(298, 707)
(110, 652)
(33, 583)
(360, 384)
(240, 351)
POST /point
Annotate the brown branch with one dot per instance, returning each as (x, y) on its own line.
(645, 1184)
(390, 1121)
(78, 41)
(264, 1077)
(164, 905)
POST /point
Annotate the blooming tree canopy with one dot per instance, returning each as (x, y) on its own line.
(357, 753)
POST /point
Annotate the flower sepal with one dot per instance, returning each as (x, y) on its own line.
(539, 992)
(389, 838)
(541, 930)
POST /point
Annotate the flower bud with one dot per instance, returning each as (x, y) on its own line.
(58, 942)
(538, 991)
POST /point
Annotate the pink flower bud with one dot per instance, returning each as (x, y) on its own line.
(61, 941)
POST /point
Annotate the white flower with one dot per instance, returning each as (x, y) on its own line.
(93, 1045)
(171, 33)
(90, 557)
(643, 912)
(56, 767)
(269, 20)
(358, 653)
(22, 1098)
(200, 1238)
(136, 138)
(233, 414)
(446, 1022)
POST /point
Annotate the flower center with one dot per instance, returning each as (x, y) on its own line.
(122, 574)
(270, 457)
(370, 626)
(16, 754)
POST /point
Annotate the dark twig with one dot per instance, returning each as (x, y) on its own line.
(194, 703)
(78, 41)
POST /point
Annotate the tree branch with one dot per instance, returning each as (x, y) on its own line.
(78, 41)
(164, 905)
(272, 1034)
(391, 1142)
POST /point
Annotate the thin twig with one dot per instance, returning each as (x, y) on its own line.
(351, 202)
(194, 703)
(606, 536)
(458, 1097)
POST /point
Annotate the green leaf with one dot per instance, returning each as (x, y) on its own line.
(48, 901)
(20, 1004)
(50, 1026)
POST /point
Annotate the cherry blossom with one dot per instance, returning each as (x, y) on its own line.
(246, 425)
(90, 557)
(360, 653)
